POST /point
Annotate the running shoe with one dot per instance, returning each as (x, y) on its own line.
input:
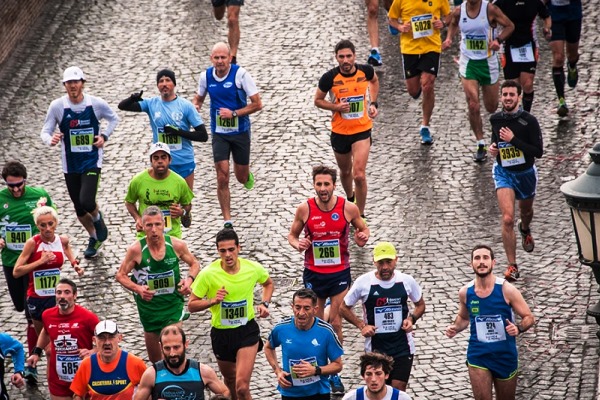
(426, 138)
(101, 229)
(481, 153)
(375, 58)
(250, 184)
(526, 239)
(337, 387)
(31, 375)
(186, 220)
(228, 225)
(562, 110)
(92, 249)
(572, 75)
(512, 273)
(393, 31)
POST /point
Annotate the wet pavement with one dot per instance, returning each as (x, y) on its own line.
(433, 203)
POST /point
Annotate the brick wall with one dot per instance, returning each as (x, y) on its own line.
(16, 18)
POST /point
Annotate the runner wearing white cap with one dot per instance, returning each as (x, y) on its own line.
(78, 117)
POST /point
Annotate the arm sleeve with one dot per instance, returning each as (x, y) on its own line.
(132, 196)
(355, 293)
(262, 274)
(368, 70)
(129, 104)
(53, 117)
(103, 111)
(14, 348)
(244, 80)
(273, 338)
(199, 287)
(187, 194)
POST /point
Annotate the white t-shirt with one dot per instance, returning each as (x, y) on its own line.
(351, 395)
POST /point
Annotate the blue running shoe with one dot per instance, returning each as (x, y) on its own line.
(375, 58)
(393, 31)
(337, 387)
(426, 138)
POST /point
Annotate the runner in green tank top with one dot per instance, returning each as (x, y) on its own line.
(159, 291)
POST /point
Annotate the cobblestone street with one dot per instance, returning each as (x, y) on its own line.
(433, 203)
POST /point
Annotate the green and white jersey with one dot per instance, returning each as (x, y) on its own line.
(16, 220)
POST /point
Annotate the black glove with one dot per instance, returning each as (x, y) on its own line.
(171, 130)
(137, 96)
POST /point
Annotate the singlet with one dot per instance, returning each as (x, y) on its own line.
(386, 308)
(16, 221)
(113, 382)
(162, 276)
(565, 10)
(225, 94)
(187, 385)
(79, 129)
(395, 393)
(476, 33)
(487, 323)
(352, 89)
(328, 231)
(43, 279)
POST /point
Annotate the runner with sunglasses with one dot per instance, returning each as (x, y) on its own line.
(17, 202)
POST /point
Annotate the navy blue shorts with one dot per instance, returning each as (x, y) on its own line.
(37, 305)
(566, 30)
(327, 285)
(501, 367)
(523, 183)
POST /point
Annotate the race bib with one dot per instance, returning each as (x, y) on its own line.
(357, 107)
(173, 141)
(422, 25)
(16, 236)
(66, 367)
(388, 319)
(476, 43)
(234, 313)
(81, 140)
(296, 381)
(490, 328)
(326, 252)
(522, 54)
(510, 155)
(162, 283)
(226, 125)
(45, 281)
(168, 221)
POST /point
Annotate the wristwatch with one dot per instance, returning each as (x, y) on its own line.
(234, 113)
(317, 370)
(265, 303)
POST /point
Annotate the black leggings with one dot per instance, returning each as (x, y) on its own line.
(17, 288)
(82, 190)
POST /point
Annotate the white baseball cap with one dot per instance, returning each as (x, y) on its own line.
(73, 74)
(106, 326)
(159, 146)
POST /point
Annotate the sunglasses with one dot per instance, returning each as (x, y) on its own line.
(15, 184)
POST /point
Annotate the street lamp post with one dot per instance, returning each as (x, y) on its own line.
(583, 197)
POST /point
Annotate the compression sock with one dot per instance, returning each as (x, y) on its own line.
(558, 76)
(527, 101)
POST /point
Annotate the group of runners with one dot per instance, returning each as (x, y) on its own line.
(159, 201)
